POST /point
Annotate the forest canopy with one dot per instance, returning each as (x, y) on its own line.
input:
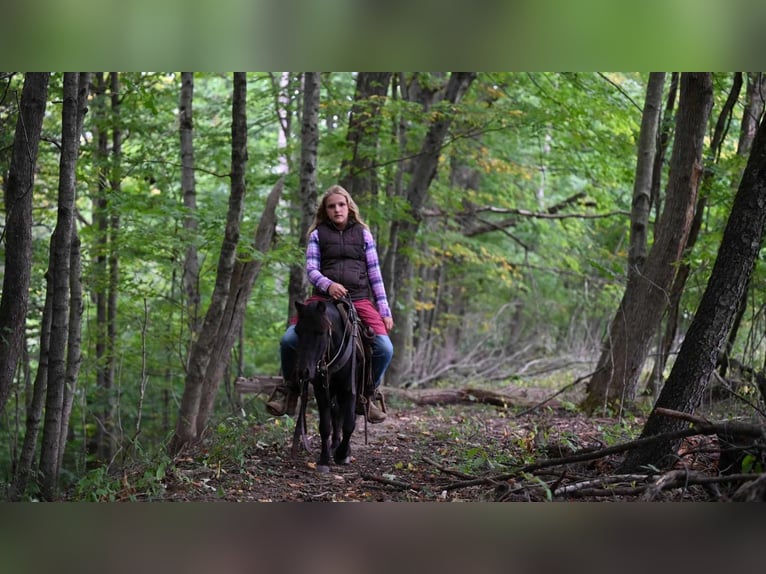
(505, 258)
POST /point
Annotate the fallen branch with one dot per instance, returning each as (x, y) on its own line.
(446, 470)
(562, 390)
(700, 426)
(387, 481)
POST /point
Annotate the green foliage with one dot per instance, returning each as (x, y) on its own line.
(142, 480)
(526, 213)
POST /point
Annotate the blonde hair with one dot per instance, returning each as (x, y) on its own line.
(321, 213)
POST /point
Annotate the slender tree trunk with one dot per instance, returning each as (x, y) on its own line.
(642, 187)
(35, 407)
(188, 189)
(684, 270)
(60, 268)
(423, 173)
(665, 131)
(358, 175)
(115, 185)
(751, 116)
(107, 224)
(101, 225)
(307, 194)
(74, 341)
(14, 300)
(697, 358)
(645, 299)
(188, 425)
(243, 279)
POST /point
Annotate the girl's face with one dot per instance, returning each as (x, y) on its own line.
(336, 208)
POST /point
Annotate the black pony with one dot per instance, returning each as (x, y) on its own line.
(329, 357)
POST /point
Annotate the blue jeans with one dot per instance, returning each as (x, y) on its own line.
(382, 352)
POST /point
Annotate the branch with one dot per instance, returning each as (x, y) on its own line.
(700, 426)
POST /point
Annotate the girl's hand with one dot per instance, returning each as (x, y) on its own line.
(388, 322)
(336, 291)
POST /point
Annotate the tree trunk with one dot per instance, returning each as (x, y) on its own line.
(697, 358)
(358, 174)
(422, 174)
(645, 299)
(243, 279)
(188, 425)
(101, 225)
(107, 223)
(307, 194)
(191, 260)
(754, 106)
(18, 227)
(642, 187)
(665, 131)
(35, 407)
(74, 340)
(115, 185)
(684, 270)
(60, 269)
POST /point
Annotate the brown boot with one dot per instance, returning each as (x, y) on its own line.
(374, 413)
(283, 400)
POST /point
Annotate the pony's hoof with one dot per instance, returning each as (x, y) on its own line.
(323, 468)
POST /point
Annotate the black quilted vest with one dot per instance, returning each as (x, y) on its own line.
(343, 259)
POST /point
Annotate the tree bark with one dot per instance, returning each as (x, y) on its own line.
(307, 193)
(107, 224)
(754, 106)
(358, 174)
(35, 407)
(188, 189)
(243, 279)
(736, 259)
(684, 270)
(14, 300)
(74, 341)
(642, 186)
(645, 299)
(60, 269)
(190, 422)
(422, 174)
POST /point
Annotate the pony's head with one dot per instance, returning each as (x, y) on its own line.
(314, 331)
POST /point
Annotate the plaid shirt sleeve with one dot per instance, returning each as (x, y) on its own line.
(375, 276)
(313, 261)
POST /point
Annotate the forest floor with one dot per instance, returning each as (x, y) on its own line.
(470, 451)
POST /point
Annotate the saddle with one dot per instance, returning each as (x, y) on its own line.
(364, 337)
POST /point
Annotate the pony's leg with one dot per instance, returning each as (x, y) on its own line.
(325, 428)
(336, 424)
(348, 421)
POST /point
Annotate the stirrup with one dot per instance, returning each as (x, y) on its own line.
(283, 400)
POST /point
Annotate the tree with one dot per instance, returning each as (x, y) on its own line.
(697, 358)
(106, 220)
(75, 97)
(647, 148)
(422, 172)
(645, 299)
(684, 268)
(18, 227)
(307, 191)
(358, 174)
(754, 106)
(209, 354)
(191, 258)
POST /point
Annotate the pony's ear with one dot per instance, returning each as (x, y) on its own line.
(299, 306)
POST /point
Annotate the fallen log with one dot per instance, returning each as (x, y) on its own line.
(258, 384)
(521, 397)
